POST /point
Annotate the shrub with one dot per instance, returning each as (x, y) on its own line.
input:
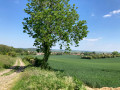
(42, 64)
(115, 53)
(13, 54)
(6, 66)
(98, 56)
(37, 62)
(86, 57)
(29, 60)
(59, 53)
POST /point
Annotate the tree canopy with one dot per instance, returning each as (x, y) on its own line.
(52, 21)
(115, 53)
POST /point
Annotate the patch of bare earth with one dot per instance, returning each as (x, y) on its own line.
(104, 88)
(7, 81)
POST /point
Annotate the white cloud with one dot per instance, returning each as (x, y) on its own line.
(115, 12)
(112, 13)
(107, 15)
(92, 39)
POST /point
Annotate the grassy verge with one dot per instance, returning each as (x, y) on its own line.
(39, 79)
(6, 61)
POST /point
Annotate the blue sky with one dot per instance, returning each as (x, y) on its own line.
(102, 16)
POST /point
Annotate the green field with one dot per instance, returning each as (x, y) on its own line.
(94, 73)
(6, 61)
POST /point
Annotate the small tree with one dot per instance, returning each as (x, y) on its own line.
(115, 53)
(12, 53)
(52, 21)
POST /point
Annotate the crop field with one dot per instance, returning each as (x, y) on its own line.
(93, 72)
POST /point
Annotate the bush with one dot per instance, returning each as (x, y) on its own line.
(86, 57)
(115, 53)
(6, 66)
(13, 54)
(98, 56)
(37, 62)
(42, 64)
(29, 59)
(59, 54)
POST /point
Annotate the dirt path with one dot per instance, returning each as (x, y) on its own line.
(104, 88)
(6, 81)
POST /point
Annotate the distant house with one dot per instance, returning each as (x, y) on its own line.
(40, 53)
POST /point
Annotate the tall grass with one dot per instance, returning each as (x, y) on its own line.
(6, 61)
(39, 79)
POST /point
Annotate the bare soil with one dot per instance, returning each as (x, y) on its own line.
(103, 88)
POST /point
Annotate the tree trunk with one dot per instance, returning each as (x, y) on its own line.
(46, 52)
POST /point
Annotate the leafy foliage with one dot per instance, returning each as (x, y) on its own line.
(52, 21)
(13, 54)
(11, 51)
(36, 62)
(91, 55)
(86, 57)
(115, 53)
(29, 60)
(5, 49)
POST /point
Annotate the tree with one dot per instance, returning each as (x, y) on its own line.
(115, 53)
(5, 49)
(52, 21)
(12, 53)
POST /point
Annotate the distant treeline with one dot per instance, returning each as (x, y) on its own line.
(11, 51)
(93, 55)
